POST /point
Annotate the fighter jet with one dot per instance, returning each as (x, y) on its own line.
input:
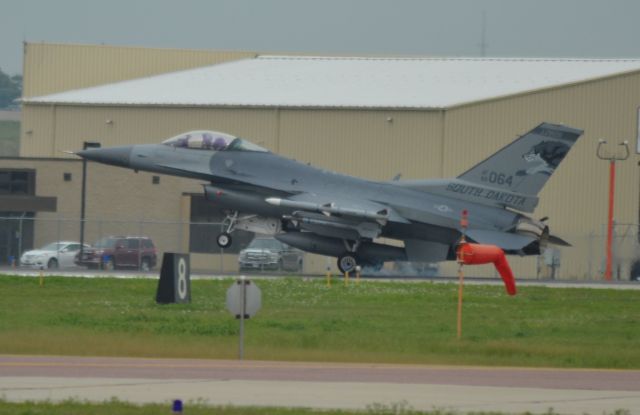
(332, 214)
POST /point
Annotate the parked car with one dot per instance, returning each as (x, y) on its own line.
(270, 254)
(113, 252)
(54, 255)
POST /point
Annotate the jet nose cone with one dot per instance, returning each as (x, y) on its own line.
(116, 156)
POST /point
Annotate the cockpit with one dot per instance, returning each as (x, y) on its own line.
(213, 141)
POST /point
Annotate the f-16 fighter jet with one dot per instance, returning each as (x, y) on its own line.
(332, 214)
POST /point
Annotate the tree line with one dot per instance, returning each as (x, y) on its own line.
(10, 89)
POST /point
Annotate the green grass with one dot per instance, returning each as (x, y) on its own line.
(392, 322)
(122, 408)
(9, 138)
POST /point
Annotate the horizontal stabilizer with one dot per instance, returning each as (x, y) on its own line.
(505, 240)
(557, 241)
(425, 251)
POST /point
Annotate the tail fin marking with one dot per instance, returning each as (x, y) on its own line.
(525, 165)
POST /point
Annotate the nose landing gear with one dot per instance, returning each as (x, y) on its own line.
(224, 239)
(348, 261)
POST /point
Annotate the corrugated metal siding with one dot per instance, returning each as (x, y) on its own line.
(372, 144)
(37, 131)
(50, 68)
(114, 126)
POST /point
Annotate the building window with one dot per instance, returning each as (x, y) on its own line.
(67, 177)
(155, 179)
(17, 182)
(205, 226)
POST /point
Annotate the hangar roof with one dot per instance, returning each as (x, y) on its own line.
(343, 82)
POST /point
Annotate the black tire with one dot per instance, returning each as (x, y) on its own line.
(224, 240)
(145, 264)
(52, 264)
(635, 271)
(347, 263)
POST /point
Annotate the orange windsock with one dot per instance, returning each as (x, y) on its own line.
(478, 254)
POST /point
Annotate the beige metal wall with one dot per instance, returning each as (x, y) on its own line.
(374, 144)
(46, 135)
(50, 68)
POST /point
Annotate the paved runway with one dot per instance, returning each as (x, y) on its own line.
(319, 385)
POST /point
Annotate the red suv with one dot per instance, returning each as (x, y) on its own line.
(112, 252)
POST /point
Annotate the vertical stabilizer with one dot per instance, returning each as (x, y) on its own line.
(525, 165)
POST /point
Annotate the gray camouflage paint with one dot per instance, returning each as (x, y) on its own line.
(415, 211)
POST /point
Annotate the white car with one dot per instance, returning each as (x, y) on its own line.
(53, 255)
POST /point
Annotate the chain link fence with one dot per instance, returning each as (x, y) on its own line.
(584, 260)
(19, 235)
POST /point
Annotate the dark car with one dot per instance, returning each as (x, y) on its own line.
(634, 273)
(112, 252)
(270, 254)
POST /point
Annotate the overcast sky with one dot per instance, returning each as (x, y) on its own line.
(532, 28)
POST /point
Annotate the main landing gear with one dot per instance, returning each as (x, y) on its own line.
(348, 261)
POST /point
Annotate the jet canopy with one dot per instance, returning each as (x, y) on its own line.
(213, 141)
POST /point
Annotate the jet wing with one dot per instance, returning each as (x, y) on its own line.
(340, 207)
(337, 217)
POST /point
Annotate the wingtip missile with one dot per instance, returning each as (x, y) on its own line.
(329, 208)
(275, 201)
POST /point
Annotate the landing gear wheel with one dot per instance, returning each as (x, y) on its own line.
(224, 240)
(347, 263)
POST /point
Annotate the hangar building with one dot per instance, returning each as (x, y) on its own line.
(373, 117)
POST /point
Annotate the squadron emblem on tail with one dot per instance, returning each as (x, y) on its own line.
(547, 155)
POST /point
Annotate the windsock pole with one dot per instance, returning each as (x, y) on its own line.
(464, 223)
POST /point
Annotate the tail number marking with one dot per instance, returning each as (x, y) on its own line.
(497, 178)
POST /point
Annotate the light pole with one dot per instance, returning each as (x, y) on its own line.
(85, 145)
(612, 158)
